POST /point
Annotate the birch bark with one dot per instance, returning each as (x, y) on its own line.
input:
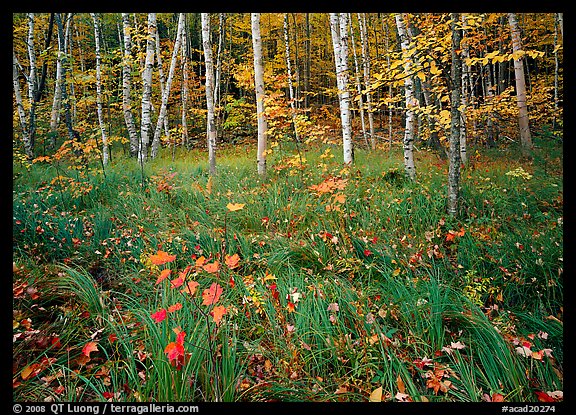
(525, 137)
(211, 120)
(338, 30)
(162, 119)
(259, 86)
(409, 97)
(145, 122)
(105, 152)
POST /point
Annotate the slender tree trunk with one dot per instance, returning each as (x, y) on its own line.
(387, 46)
(455, 119)
(556, 69)
(259, 84)
(57, 101)
(105, 152)
(358, 85)
(145, 122)
(162, 87)
(28, 149)
(338, 30)
(72, 134)
(525, 137)
(32, 81)
(47, 42)
(218, 69)
(162, 118)
(290, 86)
(211, 121)
(561, 23)
(184, 60)
(126, 86)
(366, 70)
(410, 100)
(464, 96)
(307, 63)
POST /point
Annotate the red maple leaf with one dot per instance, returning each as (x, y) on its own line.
(89, 348)
(544, 397)
(175, 350)
(211, 295)
(159, 316)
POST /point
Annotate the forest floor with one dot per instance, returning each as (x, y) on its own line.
(319, 282)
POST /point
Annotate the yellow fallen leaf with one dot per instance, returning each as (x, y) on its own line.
(376, 395)
(232, 207)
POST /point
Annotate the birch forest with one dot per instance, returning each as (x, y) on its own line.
(287, 207)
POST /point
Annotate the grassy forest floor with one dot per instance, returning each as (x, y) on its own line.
(320, 283)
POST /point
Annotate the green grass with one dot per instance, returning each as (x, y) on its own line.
(404, 292)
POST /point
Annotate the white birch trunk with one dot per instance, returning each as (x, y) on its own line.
(145, 122)
(20, 107)
(57, 101)
(358, 84)
(410, 100)
(162, 119)
(366, 70)
(105, 152)
(32, 80)
(126, 86)
(211, 120)
(259, 86)
(465, 79)
(338, 30)
(72, 135)
(525, 137)
(184, 60)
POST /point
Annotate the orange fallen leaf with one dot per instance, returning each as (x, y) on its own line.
(163, 275)
(232, 261)
(190, 288)
(161, 258)
(174, 307)
(217, 313)
(211, 295)
(212, 267)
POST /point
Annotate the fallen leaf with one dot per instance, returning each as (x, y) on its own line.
(161, 258)
(400, 384)
(217, 313)
(190, 288)
(89, 348)
(163, 275)
(211, 295)
(232, 261)
(174, 307)
(232, 207)
(158, 316)
(212, 267)
(376, 395)
(544, 397)
(497, 397)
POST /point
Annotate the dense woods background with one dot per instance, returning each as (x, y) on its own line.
(358, 206)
